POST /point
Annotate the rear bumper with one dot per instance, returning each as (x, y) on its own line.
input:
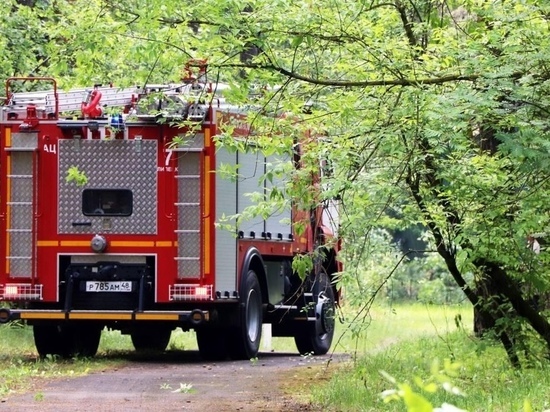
(194, 317)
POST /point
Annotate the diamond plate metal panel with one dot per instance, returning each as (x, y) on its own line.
(188, 189)
(20, 267)
(188, 269)
(24, 141)
(109, 164)
(189, 215)
(21, 183)
(191, 248)
(95, 258)
(188, 163)
(21, 163)
(21, 189)
(20, 257)
(20, 214)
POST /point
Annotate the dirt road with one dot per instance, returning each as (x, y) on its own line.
(179, 382)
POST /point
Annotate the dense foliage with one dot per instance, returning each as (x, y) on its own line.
(432, 112)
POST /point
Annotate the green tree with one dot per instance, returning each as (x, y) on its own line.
(435, 109)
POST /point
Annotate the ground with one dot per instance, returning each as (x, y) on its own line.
(184, 382)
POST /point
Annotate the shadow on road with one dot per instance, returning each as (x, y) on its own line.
(185, 356)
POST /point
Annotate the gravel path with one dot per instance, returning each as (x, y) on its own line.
(176, 382)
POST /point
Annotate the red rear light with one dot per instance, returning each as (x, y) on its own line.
(190, 292)
(202, 292)
(19, 291)
(11, 290)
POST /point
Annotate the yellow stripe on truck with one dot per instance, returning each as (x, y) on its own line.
(157, 316)
(47, 243)
(8, 200)
(129, 243)
(75, 243)
(100, 316)
(206, 238)
(42, 315)
(114, 243)
(103, 315)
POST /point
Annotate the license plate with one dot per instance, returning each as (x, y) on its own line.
(119, 286)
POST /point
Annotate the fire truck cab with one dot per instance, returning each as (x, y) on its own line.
(106, 222)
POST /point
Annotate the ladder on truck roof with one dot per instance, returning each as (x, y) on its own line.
(67, 101)
(177, 99)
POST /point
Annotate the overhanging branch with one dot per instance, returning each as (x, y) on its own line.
(371, 83)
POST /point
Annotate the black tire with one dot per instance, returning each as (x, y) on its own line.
(316, 337)
(47, 339)
(86, 339)
(212, 343)
(151, 338)
(67, 340)
(244, 338)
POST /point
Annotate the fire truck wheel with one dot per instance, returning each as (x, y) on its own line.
(85, 340)
(212, 343)
(67, 341)
(244, 338)
(47, 339)
(316, 337)
(151, 338)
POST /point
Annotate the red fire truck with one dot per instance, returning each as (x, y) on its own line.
(110, 221)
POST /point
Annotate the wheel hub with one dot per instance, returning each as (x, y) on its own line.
(325, 314)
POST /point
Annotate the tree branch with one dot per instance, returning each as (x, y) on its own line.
(371, 83)
(407, 25)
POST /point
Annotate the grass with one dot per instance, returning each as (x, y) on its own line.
(385, 325)
(21, 369)
(415, 345)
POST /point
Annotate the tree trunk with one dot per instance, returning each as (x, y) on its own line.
(504, 286)
(488, 311)
(483, 321)
(487, 306)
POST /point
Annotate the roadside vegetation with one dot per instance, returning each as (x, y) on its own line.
(410, 336)
(433, 355)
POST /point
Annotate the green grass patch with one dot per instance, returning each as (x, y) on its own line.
(383, 326)
(21, 368)
(415, 345)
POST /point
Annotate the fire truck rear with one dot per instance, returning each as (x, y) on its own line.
(109, 221)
